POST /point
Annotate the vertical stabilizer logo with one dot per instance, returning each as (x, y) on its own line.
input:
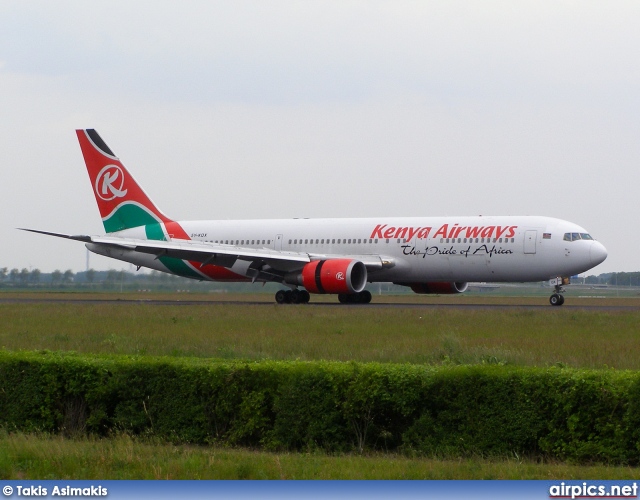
(109, 183)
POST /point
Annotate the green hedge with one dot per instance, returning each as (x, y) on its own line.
(580, 415)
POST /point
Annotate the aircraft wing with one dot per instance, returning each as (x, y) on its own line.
(278, 261)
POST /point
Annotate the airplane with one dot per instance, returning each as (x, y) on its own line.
(430, 255)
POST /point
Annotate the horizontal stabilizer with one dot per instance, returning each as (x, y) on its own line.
(77, 237)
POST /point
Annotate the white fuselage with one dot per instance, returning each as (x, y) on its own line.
(416, 249)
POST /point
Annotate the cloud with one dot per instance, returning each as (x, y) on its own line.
(283, 109)
(291, 52)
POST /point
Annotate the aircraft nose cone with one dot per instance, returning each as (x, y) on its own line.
(598, 253)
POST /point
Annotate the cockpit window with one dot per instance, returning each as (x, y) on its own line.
(577, 236)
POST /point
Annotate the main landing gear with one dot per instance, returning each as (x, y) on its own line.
(296, 296)
(557, 299)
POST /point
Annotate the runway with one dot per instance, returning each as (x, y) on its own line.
(374, 305)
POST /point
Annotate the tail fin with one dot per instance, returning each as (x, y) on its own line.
(121, 201)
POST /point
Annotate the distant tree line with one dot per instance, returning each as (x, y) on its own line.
(110, 280)
(22, 277)
(614, 279)
(36, 278)
(114, 279)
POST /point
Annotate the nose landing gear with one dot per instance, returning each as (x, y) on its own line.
(557, 299)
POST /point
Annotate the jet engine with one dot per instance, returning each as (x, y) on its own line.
(443, 288)
(331, 276)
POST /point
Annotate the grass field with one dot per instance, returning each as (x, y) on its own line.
(519, 336)
(433, 335)
(52, 457)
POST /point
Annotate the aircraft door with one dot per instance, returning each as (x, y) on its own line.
(530, 238)
(278, 242)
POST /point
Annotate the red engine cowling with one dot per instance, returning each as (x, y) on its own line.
(442, 288)
(334, 276)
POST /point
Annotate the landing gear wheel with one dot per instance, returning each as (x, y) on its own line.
(281, 296)
(365, 297)
(292, 297)
(556, 299)
(295, 296)
(343, 298)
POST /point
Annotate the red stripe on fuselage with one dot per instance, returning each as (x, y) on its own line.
(175, 231)
(218, 273)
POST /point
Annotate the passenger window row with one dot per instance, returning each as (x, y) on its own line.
(239, 242)
(371, 241)
(333, 241)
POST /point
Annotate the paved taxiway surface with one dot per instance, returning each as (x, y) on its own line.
(159, 302)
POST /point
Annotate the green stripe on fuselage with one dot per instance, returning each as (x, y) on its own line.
(176, 266)
(154, 232)
(179, 267)
(128, 216)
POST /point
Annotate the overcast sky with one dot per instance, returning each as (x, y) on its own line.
(321, 109)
